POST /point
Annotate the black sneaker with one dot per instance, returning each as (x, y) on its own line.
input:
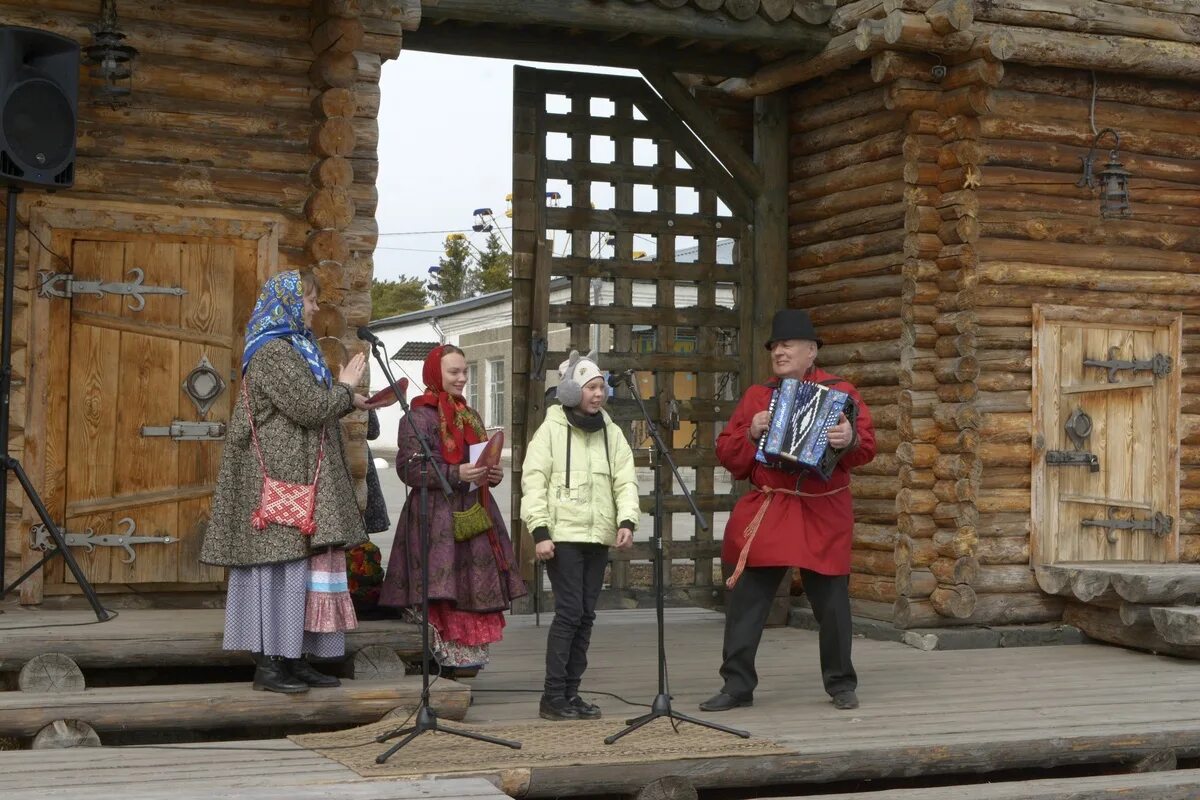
(583, 708)
(557, 709)
(845, 700)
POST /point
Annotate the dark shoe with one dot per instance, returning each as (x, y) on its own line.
(583, 708)
(556, 709)
(307, 673)
(724, 702)
(273, 675)
(845, 700)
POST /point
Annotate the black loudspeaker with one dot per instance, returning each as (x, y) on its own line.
(39, 101)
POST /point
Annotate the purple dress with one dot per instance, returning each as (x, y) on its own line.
(480, 576)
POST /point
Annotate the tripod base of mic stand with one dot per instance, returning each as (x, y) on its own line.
(428, 721)
(661, 707)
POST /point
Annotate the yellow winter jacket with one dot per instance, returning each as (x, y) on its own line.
(583, 495)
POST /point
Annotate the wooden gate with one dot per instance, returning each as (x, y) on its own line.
(1106, 401)
(657, 314)
(141, 336)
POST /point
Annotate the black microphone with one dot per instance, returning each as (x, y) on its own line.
(365, 334)
(617, 379)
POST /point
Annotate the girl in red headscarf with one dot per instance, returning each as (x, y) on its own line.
(473, 576)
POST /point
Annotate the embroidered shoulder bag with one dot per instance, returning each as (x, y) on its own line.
(283, 503)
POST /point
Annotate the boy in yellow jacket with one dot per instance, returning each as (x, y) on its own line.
(579, 496)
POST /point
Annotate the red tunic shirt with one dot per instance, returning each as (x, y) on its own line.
(810, 532)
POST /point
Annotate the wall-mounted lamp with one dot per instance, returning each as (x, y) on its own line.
(112, 61)
(1114, 179)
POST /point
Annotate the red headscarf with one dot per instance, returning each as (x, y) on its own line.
(458, 424)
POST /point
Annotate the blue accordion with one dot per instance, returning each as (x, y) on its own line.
(801, 415)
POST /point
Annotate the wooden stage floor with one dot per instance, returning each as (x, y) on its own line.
(923, 713)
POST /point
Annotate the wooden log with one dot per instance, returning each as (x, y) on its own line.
(956, 601)
(329, 208)
(997, 609)
(873, 149)
(978, 71)
(670, 787)
(1103, 18)
(875, 537)
(1137, 56)
(947, 16)
(964, 569)
(334, 70)
(327, 245)
(337, 35)
(1105, 624)
(1128, 90)
(332, 172)
(873, 587)
(64, 733)
(872, 562)
(776, 10)
(1005, 578)
(914, 583)
(51, 673)
(333, 137)
(377, 662)
(182, 706)
(848, 15)
(839, 53)
(891, 65)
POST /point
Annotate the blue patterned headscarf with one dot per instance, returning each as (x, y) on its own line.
(279, 314)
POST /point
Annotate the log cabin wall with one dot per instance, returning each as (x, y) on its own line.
(1042, 239)
(993, 223)
(259, 106)
(847, 204)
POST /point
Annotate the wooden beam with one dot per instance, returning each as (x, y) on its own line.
(840, 52)
(770, 249)
(701, 121)
(649, 19)
(553, 47)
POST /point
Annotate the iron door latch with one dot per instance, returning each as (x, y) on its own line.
(182, 431)
(1072, 458)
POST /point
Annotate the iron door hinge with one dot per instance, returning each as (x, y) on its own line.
(66, 285)
(90, 541)
(1159, 525)
(1159, 364)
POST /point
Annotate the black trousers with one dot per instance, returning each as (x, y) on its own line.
(750, 603)
(576, 576)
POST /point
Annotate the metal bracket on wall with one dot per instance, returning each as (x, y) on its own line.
(89, 540)
(66, 285)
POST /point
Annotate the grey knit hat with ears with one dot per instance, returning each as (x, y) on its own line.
(573, 374)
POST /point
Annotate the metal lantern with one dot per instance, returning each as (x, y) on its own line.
(111, 61)
(1114, 178)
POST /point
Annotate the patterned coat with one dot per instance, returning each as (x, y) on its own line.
(290, 409)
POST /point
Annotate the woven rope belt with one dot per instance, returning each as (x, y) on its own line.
(752, 528)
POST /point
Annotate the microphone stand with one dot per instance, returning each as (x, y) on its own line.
(10, 464)
(661, 707)
(426, 719)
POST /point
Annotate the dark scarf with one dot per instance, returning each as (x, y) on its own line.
(588, 423)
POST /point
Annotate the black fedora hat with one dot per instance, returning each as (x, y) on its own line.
(792, 323)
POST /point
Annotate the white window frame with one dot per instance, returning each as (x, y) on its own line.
(495, 375)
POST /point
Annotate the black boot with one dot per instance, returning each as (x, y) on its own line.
(306, 672)
(273, 675)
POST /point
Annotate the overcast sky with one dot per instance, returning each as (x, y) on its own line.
(445, 149)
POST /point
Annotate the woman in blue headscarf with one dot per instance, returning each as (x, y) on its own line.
(287, 593)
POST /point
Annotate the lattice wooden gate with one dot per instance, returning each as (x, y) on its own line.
(607, 164)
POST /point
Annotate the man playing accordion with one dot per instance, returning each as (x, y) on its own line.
(791, 517)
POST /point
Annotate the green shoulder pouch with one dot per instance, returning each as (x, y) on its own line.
(470, 523)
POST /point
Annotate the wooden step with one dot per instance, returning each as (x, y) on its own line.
(1134, 582)
(212, 706)
(1181, 784)
(269, 769)
(1177, 624)
(148, 638)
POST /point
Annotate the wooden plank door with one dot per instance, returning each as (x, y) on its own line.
(1126, 417)
(126, 370)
